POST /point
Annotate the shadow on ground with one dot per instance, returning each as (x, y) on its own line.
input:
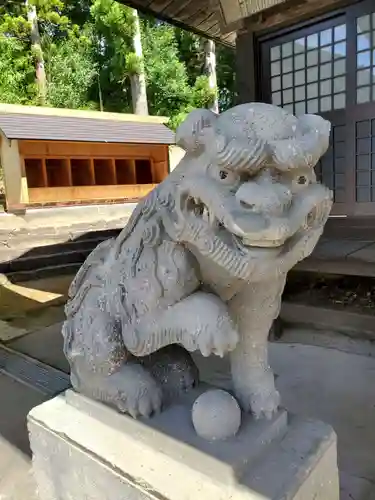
(66, 254)
(34, 285)
(16, 479)
(16, 402)
(45, 345)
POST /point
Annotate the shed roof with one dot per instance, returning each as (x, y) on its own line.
(72, 128)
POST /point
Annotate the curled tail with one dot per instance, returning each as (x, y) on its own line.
(92, 337)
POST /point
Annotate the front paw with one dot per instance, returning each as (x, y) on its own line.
(217, 341)
(136, 393)
(265, 405)
(261, 397)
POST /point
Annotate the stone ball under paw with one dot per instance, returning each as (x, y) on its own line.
(216, 415)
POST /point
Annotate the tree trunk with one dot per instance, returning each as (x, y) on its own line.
(210, 68)
(36, 47)
(138, 80)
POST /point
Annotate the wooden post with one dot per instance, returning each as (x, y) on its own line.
(91, 171)
(16, 190)
(246, 70)
(113, 174)
(68, 170)
(44, 172)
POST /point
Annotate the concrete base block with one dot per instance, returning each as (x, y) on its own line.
(83, 450)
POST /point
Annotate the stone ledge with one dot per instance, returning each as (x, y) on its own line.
(64, 216)
(352, 323)
(83, 450)
(172, 431)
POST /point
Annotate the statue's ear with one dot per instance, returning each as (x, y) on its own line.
(190, 134)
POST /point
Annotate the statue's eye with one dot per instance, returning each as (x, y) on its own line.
(224, 176)
(302, 180)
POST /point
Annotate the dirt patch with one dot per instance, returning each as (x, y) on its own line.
(352, 293)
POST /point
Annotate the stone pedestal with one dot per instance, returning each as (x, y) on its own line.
(83, 450)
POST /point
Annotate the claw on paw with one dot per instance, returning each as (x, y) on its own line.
(136, 393)
(265, 406)
(260, 396)
(219, 342)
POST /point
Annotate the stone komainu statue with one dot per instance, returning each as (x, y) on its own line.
(203, 260)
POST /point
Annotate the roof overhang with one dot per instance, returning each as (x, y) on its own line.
(233, 11)
(203, 17)
(215, 19)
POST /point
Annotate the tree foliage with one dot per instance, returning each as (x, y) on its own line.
(89, 59)
(167, 81)
(71, 71)
(17, 74)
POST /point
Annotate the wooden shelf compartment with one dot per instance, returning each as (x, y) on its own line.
(58, 172)
(125, 171)
(36, 175)
(159, 171)
(105, 171)
(82, 171)
(143, 171)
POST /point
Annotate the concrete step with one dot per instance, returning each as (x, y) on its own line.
(49, 236)
(89, 215)
(44, 272)
(46, 260)
(57, 246)
(49, 247)
(20, 264)
(41, 377)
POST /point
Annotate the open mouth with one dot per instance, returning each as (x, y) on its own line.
(315, 217)
(197, 207)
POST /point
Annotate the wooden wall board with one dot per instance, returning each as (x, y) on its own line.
(66, 194)
(87, 149)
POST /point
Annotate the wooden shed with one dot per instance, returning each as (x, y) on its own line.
(62, 157)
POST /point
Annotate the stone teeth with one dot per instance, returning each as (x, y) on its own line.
(211, 218)
(206, 215)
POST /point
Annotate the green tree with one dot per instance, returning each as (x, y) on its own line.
(113, 30)
(88, 51)
(170, 90)
(136, 70)
(71, 72)
(191, 53)
(23, 24)
(226, 76)
(210, 72)
(167, 82)
(36, 49)
(17, 74)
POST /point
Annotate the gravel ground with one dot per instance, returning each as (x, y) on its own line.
(350, 292)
